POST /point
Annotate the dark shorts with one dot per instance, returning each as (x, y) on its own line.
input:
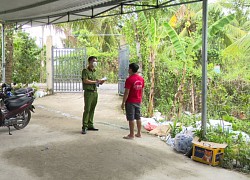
(133, 111)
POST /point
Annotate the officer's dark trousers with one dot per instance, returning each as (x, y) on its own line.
(90, 101)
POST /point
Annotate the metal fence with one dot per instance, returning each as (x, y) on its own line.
(67, 65)
(123, 68)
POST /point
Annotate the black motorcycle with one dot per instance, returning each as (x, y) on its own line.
(16, 109)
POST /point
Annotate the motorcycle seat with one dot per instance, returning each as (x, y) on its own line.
(15, 102)
(23, 90)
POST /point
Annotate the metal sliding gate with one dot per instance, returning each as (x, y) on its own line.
(123, 68)
(67, 65)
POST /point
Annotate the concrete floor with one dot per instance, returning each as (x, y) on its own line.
(51, 147)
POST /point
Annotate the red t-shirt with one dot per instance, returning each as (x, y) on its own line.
(135, 84)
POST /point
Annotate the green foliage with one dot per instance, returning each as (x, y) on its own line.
(26, 64)
(237, 152)
(238, 125)
(175, 129)
(100, 33)
(228, 97)
(220, 24)
(216, 27)
(100, 38)
(107, 65)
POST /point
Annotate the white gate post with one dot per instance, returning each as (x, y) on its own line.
(49, 65)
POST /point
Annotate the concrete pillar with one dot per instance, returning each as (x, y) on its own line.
(3, 54)
(122, 41)
(49, 68)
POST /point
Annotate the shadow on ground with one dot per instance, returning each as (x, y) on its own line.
(88, 159)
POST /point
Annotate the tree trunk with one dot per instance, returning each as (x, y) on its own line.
(138, 48)
(182, 91)
(152, 80)
(9, 53)
(178, 98)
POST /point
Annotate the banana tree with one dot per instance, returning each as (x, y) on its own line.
(216, 27)
(152, 43)
(181, 56)
(241, 47)
(155, 32)
(153, 35)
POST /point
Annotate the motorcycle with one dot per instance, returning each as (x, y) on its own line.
(7, 91)
(16, 109)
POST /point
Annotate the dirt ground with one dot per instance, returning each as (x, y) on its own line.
(51, 147)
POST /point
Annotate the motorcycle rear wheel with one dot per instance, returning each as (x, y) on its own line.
(26, 114)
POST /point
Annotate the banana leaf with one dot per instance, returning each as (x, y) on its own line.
(216, 27)
(175, 40)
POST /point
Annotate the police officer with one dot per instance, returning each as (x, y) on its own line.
(90, 84)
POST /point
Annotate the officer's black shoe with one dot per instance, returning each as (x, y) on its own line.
(93, 129)
(84, 131)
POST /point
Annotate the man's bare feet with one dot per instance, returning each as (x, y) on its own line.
(138, 135)
(128, 137)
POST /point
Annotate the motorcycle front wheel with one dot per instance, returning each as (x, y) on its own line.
(25, 115)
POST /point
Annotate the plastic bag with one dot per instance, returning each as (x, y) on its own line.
(183, 143)
(149, 126)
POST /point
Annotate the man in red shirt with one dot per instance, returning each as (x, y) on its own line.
(132, 100)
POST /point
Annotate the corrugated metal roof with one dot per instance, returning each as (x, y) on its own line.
(41, 12)
(51, 11)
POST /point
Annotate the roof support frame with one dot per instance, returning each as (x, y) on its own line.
(109, 10)
(151, 7)
(204, 67)
(92, 9)
(194, 1)
(100, 14)
(60, 17)
(122, 5)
